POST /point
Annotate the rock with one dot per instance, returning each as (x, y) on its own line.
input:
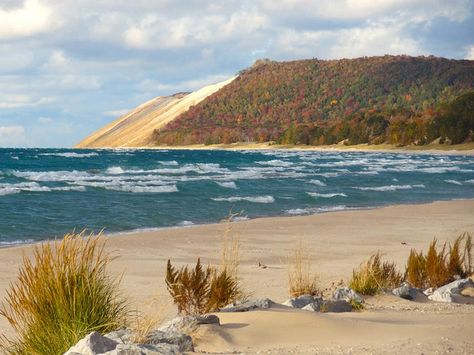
(262, 303)
(183, 341)
(144, 349)
(94, 343)
(300, 302)
(446, 292)
(185, 324)
(314, 306)
(121, 336)
(468, 292)
(208, 319)
(406, 291)
(347, 294)
(336, 306)
(428, 291)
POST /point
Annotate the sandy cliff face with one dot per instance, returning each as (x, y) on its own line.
(135, 128)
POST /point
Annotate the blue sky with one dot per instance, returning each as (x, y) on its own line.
(68, 67)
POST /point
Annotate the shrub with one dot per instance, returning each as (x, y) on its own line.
(440, 267)
(301, 280)
(416, 269)
(374, 276)
(61, 296)
(200, 290)
(436, 266)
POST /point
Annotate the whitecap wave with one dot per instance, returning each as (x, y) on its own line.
(185, 224)
(470, 181)
(70, 155)
(276, 162)
(317, 182)
(388, 187)
(254, 199)
(313, 210)
(168, 162)
(115, 170)
(454, 182)
(227, 184)
(329, 195)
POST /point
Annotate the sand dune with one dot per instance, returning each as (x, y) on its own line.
(135, 128)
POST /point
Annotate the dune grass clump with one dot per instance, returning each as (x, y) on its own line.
(442, 266)
(374, 275)
(201, 289)
(301, 279)
(63, 293)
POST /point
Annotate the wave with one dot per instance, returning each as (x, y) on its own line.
(4, 243)
(454, 182)
(254, 199)
(115, 170)
(275, 162)
(313, 210)
(71, 155)
(317, 182)
(9, 189)
(389, 187)
(144, 189)
(316, 194)
(227, 184)
(471, 181)
(185, 224)
(168, 162)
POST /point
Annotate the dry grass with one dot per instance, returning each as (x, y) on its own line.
(416, 269)
(301, 279)
(374, 275)
(61, 295)
(230, 249)
(142, 323)
(440, 266)
(201, 290)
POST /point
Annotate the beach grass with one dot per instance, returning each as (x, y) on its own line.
(63, 293)
(375, 275)
(301, 279)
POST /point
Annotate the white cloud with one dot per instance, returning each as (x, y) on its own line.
(12, 136)
(469, 52)
(45, 120)
(18, 101)
(33, 17)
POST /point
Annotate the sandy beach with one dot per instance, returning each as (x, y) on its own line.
(338, 241)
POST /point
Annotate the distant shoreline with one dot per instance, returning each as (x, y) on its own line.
(458, 149)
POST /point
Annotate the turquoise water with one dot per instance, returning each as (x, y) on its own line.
(48, 192)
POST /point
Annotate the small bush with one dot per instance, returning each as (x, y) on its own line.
(301, 280)
(436, 266)
(61, 296)
(201, 290)
(373, 276)
(440, 267)
(416, 269)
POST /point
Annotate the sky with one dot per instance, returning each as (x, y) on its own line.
(68, 67)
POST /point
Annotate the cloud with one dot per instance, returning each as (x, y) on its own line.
(31, 18)
(469, 52)
(45, 120)
(116, 54)
(12, 136)
(116, 113)
(18, 101)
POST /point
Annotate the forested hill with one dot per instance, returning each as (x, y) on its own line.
(394, 99)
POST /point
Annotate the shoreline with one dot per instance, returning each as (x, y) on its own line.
(466, 149)
(338, 242)
(148, 230)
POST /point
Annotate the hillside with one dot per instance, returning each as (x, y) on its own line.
(394, 99)
(135, 129)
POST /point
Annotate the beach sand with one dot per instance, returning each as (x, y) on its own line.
(338, 241)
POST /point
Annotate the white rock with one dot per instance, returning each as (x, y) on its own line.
(300, 302)
(446, 292)
(262, 303)
(347, 294)
(94, 343)
(142, 349)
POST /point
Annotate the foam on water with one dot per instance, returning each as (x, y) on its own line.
(50, 191)
(254, 199)
(329, 195)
